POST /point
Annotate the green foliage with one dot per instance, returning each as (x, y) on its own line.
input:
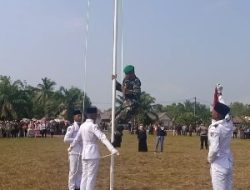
(184, 113)
(44, 95)
(158, 108)
(239, 109)
(14, 101)
(19, 100)
(72, 99)
(145, 110)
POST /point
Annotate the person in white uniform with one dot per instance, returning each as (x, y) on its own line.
(88, 136)
(219, 155)
(75, 167)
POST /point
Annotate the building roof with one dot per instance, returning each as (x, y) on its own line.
(163, 116)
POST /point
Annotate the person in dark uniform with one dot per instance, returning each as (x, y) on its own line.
(118, 136)
(131, 90)
(203, 136)
(142, 139)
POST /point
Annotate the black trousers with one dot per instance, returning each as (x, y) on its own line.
(204, 140)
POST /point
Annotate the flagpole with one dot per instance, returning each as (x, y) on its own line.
(115, 40)
(121, 29)
(85, 57)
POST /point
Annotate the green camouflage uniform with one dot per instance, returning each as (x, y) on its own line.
(131, 88)
(132, 92)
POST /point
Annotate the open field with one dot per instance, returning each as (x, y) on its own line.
(41, 164)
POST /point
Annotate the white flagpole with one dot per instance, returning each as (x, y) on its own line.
(121, 29)
(115, 40)
(85, 57)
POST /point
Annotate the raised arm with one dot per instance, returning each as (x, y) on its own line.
(118, 85)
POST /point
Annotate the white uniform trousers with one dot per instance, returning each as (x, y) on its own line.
(221, 177)
(90, 169)
(75, 171)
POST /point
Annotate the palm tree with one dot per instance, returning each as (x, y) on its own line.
(183, 113)
(145, 111)
(13, 100)
(73, 99)
(45, 92)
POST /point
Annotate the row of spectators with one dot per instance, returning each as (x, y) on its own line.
(32, 128)
(40, 128)
(242, 132)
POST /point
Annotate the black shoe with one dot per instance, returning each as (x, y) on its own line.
(77, 188)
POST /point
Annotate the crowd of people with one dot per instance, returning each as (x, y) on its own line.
(32, 128)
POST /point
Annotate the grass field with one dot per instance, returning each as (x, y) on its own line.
(41, 164)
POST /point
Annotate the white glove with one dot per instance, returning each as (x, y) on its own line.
(70, 148)
(219, 88)
(114, 151)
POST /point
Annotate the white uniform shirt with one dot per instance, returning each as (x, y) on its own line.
(89, 134)
(42, 126)
(70, 135)
(219, 136)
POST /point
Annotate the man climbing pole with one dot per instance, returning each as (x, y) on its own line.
(131, 90)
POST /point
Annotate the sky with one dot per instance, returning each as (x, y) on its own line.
(180, 48)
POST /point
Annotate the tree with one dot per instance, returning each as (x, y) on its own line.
(158, 108)
(145, 109)
(186, 118)
(13, 100)
(19, 100)
(184, 113)
(72, 99)
(45, 92)
(239, 109)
